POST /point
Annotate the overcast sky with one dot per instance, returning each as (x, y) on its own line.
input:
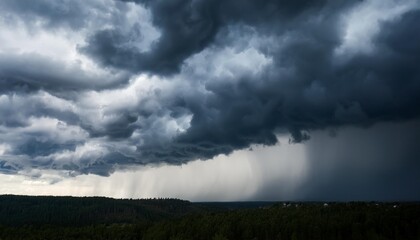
(211, 100)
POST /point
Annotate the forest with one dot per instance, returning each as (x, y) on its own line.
(29, 217)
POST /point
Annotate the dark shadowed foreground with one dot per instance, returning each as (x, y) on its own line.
(24, 217)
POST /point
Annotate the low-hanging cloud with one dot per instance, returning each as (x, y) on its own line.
(174, 81)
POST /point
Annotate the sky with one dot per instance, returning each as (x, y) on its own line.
(211, 100)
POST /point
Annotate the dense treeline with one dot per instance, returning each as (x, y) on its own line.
(298, 221)
(204, 221)
(82, 211)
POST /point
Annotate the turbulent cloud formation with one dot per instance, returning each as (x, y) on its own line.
(91, 87)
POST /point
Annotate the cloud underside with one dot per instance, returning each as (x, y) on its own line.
(112, 84)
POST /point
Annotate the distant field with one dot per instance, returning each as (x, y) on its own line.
(27, 217)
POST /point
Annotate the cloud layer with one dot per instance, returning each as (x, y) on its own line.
(105, 85)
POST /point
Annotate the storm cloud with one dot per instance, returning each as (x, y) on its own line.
(107, 85)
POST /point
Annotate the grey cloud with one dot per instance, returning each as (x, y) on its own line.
(32, 72)
(18, 108)
(34, 147)
(6, 168)
(54, 14)
(122, 126)
(26, 70)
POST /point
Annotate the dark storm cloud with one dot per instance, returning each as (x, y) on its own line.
(121, 126)
(305, 82)
(315, 93)
(188, 27)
